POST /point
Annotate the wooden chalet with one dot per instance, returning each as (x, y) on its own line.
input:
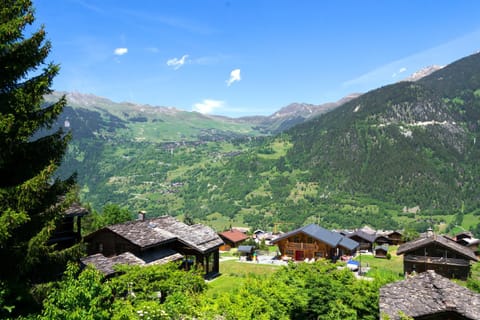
(436, 252)
(382, 239)
(365, 240)
(153, 241)
(232, 239)
(67, 232)
(395, 238)
(467, 239)
(380, 251)
(428, 296)
(314, 242)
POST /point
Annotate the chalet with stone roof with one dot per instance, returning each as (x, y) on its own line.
(428, 296)
(467, 239)
(439, 253)
(153, 241)
(67, 232)
(314, 242)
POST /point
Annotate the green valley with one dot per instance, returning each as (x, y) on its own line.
(401, 156)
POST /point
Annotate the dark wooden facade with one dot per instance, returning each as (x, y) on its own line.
(396, 238)
(67, 232)
(149, 239)
(437, 253)
(381, 251)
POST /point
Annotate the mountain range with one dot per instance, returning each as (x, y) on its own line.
(359, 160)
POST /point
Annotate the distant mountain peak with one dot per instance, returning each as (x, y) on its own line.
(306, 110)
(423, 72)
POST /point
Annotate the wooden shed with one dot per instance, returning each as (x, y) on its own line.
(436, 252)
(381, 251)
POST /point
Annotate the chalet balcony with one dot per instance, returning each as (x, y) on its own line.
(301, 246)
(436, 260)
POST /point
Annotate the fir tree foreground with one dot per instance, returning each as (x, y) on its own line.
(30, 197)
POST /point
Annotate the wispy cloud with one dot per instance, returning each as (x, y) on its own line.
(176, 63)
(400, 71)
(234, 76)
(147, 18)
(207, 106)
(89, 6)
(152, 49)
(120, 51)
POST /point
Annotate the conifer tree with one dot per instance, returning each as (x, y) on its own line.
(29, 156)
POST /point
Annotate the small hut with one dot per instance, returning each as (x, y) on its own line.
(246, 252)
(381, 251)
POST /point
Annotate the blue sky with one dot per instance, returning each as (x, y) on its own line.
(249, 57)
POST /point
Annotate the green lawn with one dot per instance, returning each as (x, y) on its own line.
(395, 264)
(233, 274)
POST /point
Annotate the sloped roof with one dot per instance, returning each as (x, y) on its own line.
(153, 232)
(76, 210)
(331, 238)
(383, 247)
(440, 240)
(106, 265)
(428, 294)
(246, 249)
(233, 235)
(369, 237)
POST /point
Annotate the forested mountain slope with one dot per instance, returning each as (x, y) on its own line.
(412, 143)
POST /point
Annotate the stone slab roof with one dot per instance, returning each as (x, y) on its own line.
(153, 232)
(439, 240)
(75, 210)
(107, 265)
(428, 294)
(331, 238)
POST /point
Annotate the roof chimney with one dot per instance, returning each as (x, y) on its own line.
(429, 233)
(141, 215)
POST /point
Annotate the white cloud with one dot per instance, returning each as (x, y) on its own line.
(177, 63)
(207, 106)
(120, 51)
(234, 76)
(401, 70)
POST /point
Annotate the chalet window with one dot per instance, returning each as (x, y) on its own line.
(210, 262)
(296, 239)
(309, 240)
(100, 247)
(289, 252)
(319, 254)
